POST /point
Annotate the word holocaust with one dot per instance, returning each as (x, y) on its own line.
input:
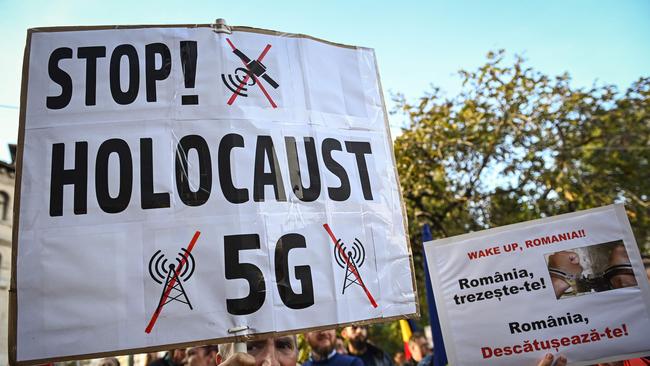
(261, 166)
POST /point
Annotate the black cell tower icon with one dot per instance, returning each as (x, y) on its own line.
(355, 259)
(174, 274)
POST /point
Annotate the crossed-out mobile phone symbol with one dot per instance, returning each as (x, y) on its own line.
(252, 71)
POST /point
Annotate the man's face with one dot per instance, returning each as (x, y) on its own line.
(107, 362)
(178, 356)
(419, 348)
(198, 356)
(322, 342)
(280, 351)
(355, 335)
(340, 347)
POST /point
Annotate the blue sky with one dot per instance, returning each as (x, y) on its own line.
(418, 43)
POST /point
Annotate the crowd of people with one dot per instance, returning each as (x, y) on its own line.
(352, 348)
(326, 347)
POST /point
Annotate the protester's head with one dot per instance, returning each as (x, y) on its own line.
(177, 356)
(273, 351)
(108, 361)
(151, 357)
(620, 272)
(202, 355)
(356, 335)
(322, 342)
(340, 347)
(418, 346)
(399, 358)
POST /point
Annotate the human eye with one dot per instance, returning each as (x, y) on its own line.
(284, 344)
(254, 347)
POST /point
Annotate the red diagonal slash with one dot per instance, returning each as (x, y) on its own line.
(154, 317)
(241, 85)
(353, 269)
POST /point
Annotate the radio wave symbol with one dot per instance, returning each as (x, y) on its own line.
(240, 76)
(356, 255)
(159, 270)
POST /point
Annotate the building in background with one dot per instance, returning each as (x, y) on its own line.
(7, 182)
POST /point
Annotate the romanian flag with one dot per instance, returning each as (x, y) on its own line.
(406, 336)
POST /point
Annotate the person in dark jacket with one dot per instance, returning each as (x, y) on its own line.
(358, 345)
(419, 348)
(201, 355)
(175, 357)
(323, 353)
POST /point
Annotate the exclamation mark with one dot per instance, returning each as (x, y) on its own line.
(624, 329)
(188, 61)
(541, 280)
(582, 232)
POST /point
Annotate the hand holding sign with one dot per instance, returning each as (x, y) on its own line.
(548, 361)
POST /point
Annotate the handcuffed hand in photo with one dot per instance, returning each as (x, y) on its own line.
(564, 268)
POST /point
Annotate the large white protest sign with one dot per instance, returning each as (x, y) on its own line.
(572, 284)
(176, 183)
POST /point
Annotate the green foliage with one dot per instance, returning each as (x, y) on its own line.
(516, 145)
(387, 336)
